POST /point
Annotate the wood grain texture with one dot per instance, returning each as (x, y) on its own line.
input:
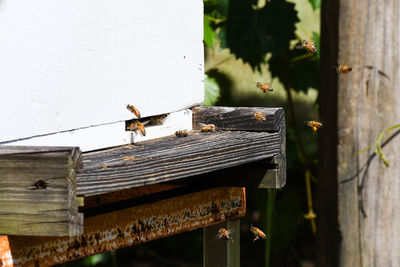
(38, 191)
(171, 158)
(369, 102)
(239, 118)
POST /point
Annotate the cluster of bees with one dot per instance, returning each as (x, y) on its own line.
(139, 126)
(266, 87)
(225, 234)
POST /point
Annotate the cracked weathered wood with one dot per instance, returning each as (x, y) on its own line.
(38, 192)
(171, 158)
(365, 102)
(240, 118)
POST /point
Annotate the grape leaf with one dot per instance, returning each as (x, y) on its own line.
(252, 33)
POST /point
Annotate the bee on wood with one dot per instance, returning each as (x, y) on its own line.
(208, 128)
(343, 69)
(224, 234)
(260, 117)
(308, 45)
(137, 125)
(133, 110)
(257, 233)
(181, 133)
(264, 87)
(314, 125)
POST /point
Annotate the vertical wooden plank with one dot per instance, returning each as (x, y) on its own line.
(234, 247)
(219, 252)
(328, 236)
(369, 102)
(38, 191)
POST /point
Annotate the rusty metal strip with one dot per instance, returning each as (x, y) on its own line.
(128, 227)
(5, 252)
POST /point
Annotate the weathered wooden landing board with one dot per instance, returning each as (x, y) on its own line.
(38, 192)
(172, 158)
(127, 227)
(241, 140)
(240, 118)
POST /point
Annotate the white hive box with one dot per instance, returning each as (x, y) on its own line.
(68, 68)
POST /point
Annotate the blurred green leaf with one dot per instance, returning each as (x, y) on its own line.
(93, 260)
(252, 33)
(212, 91)
(315, 4)
(210, 3)
(209, 34)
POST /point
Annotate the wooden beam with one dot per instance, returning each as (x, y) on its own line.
(127, 227)
(326, 203)
(38, 192)
(220, 252)
(172, 158)
(240, 118)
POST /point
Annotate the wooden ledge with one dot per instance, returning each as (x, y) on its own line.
(38, 194)
(172, 158)
(240, 139)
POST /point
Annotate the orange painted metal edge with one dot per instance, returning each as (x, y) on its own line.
(128, 227)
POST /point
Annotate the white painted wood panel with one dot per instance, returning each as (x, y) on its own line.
(114, 134)
(67, 64)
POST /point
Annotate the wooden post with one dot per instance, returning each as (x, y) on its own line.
(37, 186)
(368, 102)
(220, 252)
(328, 236)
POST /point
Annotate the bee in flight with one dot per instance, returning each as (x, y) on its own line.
(314, 125)
(181, 133)
(133, 110)
(137, 125)
(257, 233)
(224, 234)
(264, 86)
(343, 69)
(260, 117)
(208, 128)
(308, 45)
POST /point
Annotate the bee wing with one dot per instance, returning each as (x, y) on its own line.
(201, 124)
(146, 122)
(299, 46)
